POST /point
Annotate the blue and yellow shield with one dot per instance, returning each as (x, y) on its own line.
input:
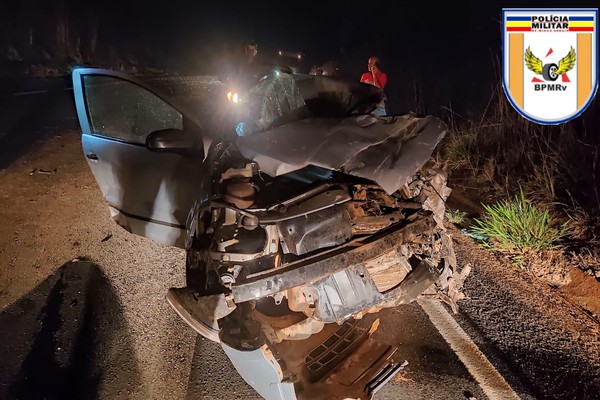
(550, 61)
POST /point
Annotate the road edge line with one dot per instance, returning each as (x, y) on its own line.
(31, 92)
(487, 376)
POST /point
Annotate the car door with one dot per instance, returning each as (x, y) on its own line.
(148, 192)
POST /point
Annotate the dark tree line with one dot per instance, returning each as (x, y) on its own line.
(60, 33)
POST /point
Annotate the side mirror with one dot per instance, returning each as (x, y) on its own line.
(174, 141)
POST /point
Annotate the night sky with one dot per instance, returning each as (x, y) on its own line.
(445, 53)
(450, 51)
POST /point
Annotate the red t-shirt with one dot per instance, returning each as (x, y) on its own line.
(381, 77)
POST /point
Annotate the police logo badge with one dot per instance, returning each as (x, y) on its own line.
(550, 62)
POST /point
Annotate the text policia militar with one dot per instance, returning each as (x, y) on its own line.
(550, 22)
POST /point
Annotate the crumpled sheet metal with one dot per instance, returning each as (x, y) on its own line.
(386, 150)
(436, 201)
(450, 287)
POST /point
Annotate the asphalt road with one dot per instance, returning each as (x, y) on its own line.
(100, 328)
(65, 337)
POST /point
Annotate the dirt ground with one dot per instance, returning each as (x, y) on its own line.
(52, 212)
(584, 290)
(552, 267)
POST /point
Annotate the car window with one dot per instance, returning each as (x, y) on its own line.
(282, 98)
(332, 97)
(125, 111)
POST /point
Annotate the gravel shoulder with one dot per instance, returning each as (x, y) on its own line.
(49, 219)
(549, 342)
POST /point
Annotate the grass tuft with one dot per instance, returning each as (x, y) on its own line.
(456, 216)
(519, 226)
(460, 148)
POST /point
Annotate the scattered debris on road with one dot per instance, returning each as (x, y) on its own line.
(43, 171)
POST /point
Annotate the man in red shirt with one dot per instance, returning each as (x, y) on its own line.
(377, 78)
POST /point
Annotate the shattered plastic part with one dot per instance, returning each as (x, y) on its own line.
(436, 199)
(325, 228)
(301, 330)
(262, 371)
(329, 353)
(344, 292)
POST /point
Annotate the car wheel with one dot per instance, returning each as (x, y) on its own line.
(182, 301)
(549, 72)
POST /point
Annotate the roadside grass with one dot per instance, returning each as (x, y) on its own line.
(554, 169)
(518, 226)
(456, 216)
(584, 227)
(460, 149)
(505, 151)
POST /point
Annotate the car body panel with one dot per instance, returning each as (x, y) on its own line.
(262, 371)
(387, 151)
(149, 193)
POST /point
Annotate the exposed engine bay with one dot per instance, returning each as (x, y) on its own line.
(315, 223)
(294, 258)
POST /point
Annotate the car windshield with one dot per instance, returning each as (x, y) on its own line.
(281, 98)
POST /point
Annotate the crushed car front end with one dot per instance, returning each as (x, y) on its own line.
(300, 240)
(302, 216)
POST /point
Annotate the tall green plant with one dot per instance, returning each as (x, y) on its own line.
(518, 226)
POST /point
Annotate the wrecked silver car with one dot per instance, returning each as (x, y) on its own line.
(300, 213)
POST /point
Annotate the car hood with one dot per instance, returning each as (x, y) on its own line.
(386, 150)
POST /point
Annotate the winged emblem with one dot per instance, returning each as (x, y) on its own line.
(550, 71)
(566, 63)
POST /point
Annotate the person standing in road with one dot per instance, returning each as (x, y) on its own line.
(249, 69)
(244, 69)
(377, 78)
(250, 51)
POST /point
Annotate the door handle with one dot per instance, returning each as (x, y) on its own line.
(92, 156)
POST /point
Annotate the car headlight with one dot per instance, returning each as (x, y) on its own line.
(233, 97)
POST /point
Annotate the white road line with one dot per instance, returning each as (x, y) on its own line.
(490, 380)
(39, 91)
(32, 92)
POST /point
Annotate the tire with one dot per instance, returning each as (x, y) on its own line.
(549, 72)
(201, 323)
